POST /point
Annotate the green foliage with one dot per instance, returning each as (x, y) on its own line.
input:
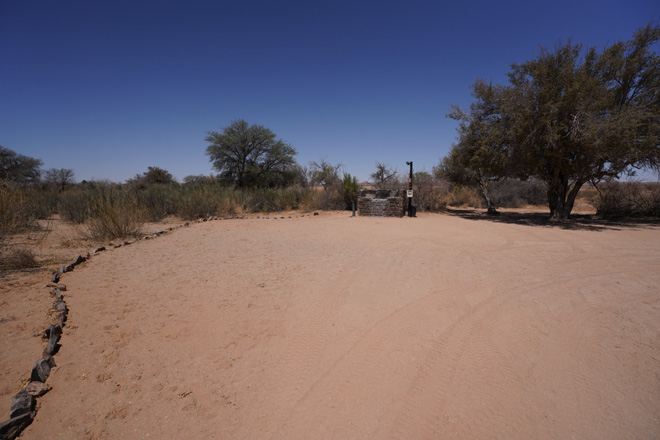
(350, 190)
(154, 176)
(251, 156)
(18, 169)
(567, 117)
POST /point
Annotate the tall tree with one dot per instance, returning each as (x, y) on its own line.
(251, 155)
(573, 116)
(17, 168)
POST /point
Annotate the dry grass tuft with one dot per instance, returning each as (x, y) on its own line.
(18, 259)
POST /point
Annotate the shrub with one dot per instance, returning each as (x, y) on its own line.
(197, 201)
(158, 200)
(430, 193)
(73, 205)
(464, 196)
(16, 212)
(628, 199)
(115, 213)
(18, 259)
(513, 193)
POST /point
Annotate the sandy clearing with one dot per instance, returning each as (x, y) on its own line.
(337, 327)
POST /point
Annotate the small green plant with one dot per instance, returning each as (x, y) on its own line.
(350, 189)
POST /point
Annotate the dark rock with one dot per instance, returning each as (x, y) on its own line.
(58, 295)
(79, 259)
(40, 371)
(117, 246)
(61, 318)
(62, 269)
(53, 333)
(37, 389)
(99, 249)
(52, 346)
(60, 306)
(53, 329)
(69, 267)
(61, 287)
(12, 428)
(186, 224)
(21, 403)
(126, 243)
(56, 277)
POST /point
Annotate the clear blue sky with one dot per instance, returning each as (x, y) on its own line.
(108, 88)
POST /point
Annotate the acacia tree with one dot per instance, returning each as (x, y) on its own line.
(325, 174)
(572, 116)
(480, 156)
(251, 156)
(384, 176)
(17, 168)
(60, 177)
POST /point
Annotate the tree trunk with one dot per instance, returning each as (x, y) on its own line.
(483, 186)
(561, 197)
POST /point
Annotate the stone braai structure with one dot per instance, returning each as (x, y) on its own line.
(381, 203)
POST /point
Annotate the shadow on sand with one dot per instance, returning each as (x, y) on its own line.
(588, 222)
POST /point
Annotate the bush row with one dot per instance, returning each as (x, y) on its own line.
(628, 199)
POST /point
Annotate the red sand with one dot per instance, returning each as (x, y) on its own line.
(333, 327)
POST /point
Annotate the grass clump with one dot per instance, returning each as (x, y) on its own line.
(18, 259)
(17, 211)
(115, 213)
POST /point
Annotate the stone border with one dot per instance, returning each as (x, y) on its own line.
(23, 403)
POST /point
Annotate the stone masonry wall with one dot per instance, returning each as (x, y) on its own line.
(372, 203)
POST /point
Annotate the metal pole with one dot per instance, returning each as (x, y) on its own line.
(410, 187)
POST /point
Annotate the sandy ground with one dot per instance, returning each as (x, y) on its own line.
(332, 327)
